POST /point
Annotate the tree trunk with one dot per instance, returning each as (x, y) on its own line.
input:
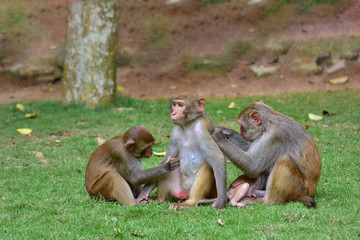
(91, 46)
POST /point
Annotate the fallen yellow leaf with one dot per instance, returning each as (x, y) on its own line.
(20, 107)
(50, 89)
(233, 105)
(120, 88)
(30, 115)
(159, 153)
(100, 140)
(315, 117)
(339, 80)
(24, 131)
(220, 222)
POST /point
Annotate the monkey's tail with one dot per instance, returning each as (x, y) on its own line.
(307, 201)
(201, 201)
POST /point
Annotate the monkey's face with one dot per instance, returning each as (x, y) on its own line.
(142, 149)
(250, 125)
(178, 111)
(240, 121)
(147, 152)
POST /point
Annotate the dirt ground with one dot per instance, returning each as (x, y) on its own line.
(235, 84)
(158, 81)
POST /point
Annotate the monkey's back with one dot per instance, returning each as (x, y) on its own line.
(302, 148)
(102, 161)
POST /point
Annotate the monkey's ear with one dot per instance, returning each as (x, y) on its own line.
(255, 117)
(129, 143)
(200, 104)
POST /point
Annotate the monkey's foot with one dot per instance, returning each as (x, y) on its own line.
(179, 206)
(140, 201)
(240, 205)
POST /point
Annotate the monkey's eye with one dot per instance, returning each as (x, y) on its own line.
(181, 104)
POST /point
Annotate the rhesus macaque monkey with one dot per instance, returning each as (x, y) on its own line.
(114, 170)
(244, 186)
(280, 149)
(202, 172)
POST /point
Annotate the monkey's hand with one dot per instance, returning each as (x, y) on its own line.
(226, 131)
(218, 134)
(144, 195)
(172, 164)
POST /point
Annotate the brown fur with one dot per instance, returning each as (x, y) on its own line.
(281, 149)
(114, 170)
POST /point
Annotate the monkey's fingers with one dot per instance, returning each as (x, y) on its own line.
(174, 163)
(217, 134)
(240, 205)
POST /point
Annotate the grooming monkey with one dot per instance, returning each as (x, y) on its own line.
(114, 170)
(279, 149)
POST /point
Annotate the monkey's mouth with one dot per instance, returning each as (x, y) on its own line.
(243, 132)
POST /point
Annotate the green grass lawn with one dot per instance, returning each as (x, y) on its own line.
(43, 196)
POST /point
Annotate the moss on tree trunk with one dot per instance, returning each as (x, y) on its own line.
(91, 46)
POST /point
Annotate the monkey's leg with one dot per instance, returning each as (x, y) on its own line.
(233, 186)
(203, 186)
(285, 182)
(113, 186)
(239, 193)
(246, 201)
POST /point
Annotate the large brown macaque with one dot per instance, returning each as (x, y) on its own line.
(202, 172)
(114, 170)
(280, 149)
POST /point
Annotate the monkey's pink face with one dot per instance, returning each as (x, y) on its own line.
(243, 132)
(147, 152)
(242, 129)
(178, 110)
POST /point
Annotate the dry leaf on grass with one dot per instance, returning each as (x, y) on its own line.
(20, 107)
(24, 131)
(232, 105)
(159, 153)
(30, 115)
(315, 117)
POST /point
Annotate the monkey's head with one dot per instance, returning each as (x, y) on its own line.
(186, 108)
(138, 141)
(251, 120)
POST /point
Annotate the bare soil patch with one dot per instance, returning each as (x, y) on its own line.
(200, 31)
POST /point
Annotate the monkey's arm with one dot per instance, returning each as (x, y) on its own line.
(145, 193)
(215, 158)
(251, 162)
(234, 137)
(138, 176)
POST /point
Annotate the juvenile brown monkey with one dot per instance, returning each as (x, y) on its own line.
(244, 186)
(202, 172)
(114, 170)
(280, 149)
